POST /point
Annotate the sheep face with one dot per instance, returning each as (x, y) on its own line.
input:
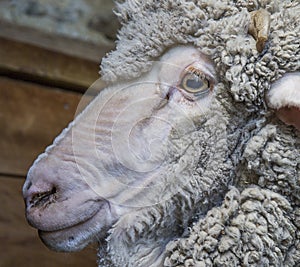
(136, 145)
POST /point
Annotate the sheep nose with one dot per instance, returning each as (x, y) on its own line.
(38, 195)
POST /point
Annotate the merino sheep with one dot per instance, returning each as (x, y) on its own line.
(190, 156)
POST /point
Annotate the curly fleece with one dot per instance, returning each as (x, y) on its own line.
(258, 222)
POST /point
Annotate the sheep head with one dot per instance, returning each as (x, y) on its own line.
(162, 144)
(129, 149)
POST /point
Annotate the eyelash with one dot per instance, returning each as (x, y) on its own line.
(196, 71)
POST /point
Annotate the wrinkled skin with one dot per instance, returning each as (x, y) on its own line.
(125, 153)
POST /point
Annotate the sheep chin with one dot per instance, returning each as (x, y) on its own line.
(77, 237)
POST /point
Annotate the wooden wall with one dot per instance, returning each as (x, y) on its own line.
(39, 92)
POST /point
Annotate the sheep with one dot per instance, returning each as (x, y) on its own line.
(190, 156)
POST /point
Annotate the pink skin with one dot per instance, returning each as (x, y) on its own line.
(290, 116)
(284, 98)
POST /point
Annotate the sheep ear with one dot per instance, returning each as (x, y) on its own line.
(284, 97)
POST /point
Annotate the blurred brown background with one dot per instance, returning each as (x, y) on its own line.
(50, 52)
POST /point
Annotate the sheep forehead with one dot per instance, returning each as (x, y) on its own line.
(217, 28)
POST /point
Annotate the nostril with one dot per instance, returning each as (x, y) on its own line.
(28, 186)
(43, 198)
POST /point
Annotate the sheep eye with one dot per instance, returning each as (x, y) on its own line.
(196, 83)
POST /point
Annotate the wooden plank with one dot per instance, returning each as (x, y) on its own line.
(55, 42)
(19, 243)
(30, 117)
(48, 67)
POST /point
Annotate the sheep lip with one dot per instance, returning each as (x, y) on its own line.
(40, 219)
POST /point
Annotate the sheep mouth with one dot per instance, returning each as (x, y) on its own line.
(64, 214)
